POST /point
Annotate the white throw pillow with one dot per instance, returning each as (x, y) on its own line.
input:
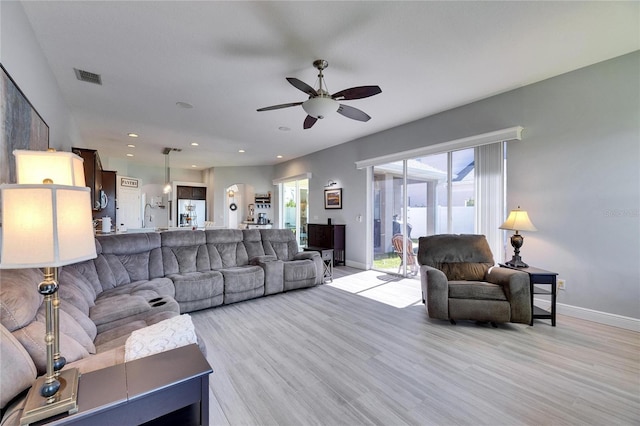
(169, 334)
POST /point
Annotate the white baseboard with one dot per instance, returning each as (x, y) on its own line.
(606, 318)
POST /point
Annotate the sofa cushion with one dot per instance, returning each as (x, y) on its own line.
(197, 285)
(127, 258)
(133, 301)
(226, 248)
(475, 290)
(252, 241)
(32, 338)
(19, 296)
(242, 283)
(69, 326)
(465, 271)
(280, 243)
(81, 318)
(299, 274)
(16, 367)
(184, 251)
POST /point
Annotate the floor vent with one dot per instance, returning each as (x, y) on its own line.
(87, 76)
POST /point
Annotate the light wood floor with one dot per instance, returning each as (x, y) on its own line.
(363, 351)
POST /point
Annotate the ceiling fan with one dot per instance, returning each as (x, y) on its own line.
(321, 103)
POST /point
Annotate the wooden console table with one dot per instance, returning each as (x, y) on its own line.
(171, 387)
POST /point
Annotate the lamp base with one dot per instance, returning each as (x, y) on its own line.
(516, 262)
(66, 399)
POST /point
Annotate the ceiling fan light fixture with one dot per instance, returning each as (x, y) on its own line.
(320, 107)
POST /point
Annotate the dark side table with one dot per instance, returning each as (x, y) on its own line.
(168, 388)
(538, 278)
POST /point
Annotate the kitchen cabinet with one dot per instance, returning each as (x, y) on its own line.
(92, 174)
(108, 201)
(192, 192)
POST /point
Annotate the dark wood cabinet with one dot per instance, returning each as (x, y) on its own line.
(92, 174)
(328, 236)
(108, 201)
(192, 192)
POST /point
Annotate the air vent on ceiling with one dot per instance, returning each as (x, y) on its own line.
(87, 76)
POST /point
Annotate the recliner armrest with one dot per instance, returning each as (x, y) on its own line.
(306, 255)
(435, 288)
(516, 288)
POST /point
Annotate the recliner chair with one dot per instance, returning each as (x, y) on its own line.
(460, 282)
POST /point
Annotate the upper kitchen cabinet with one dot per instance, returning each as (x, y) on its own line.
(192, 192)
(92, 174)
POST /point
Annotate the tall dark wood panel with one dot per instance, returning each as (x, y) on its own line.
(109, 189)
(92, 173)
(328, 236)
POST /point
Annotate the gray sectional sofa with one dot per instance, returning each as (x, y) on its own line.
(135, 281)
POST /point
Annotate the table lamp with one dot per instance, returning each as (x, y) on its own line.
(518, 220)
(47, 225)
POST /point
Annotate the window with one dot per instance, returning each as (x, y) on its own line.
(435, 194)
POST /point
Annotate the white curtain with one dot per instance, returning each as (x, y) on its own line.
(490, 193)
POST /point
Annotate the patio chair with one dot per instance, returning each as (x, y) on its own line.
(398, 247)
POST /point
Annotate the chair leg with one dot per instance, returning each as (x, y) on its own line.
(452, 321)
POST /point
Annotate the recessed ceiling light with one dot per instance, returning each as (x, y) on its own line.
(278, 156)
(241, 150)
(131, 145)
(193, 165)
(284, 128)
(129, 155)
(185, 105)
(194, 144)
(132, 135)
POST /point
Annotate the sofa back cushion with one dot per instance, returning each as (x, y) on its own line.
(184, 251)
(19, 296)
(280, 243)
(253, 243)
(460, 257)
(127, 258)
(226, 248)
(17, 370)
(87, 270)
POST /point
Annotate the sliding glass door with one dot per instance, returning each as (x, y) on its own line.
(429, 195)
(295, 208)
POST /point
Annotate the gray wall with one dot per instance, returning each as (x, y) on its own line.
(576, 172)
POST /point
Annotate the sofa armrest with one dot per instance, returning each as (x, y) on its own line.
(258, 260)
(516, 288)
(435, 288)
(306, 255)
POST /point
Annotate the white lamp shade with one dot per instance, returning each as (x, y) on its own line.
(518, 220)
(63, 168)
(320, 107)
(45, 225)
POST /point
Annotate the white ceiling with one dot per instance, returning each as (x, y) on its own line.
(229, 58)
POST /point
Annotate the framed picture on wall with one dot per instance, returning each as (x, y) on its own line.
(22, 126)
(333, 198)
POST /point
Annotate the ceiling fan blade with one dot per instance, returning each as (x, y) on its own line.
(354, 113)
(269, 108)
(356, 93)
(309, 121)
(301, 85)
